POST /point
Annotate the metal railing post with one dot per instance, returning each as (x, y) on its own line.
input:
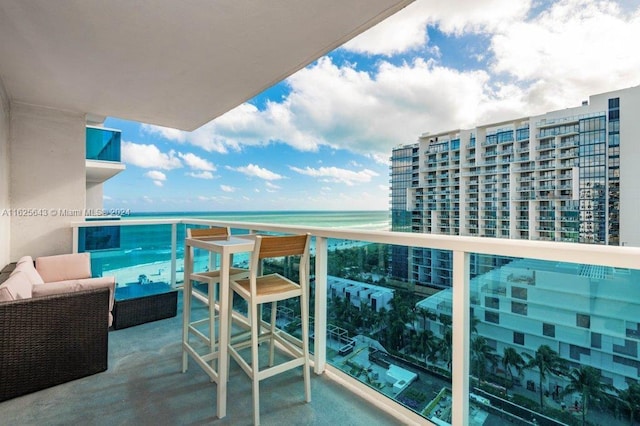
(174, 254)
(320, 315)
(460, 340)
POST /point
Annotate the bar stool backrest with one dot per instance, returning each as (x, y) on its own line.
(278, 246)
(217, 231)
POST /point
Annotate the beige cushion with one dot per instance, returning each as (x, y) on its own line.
(25, 264)
(16, 287)
(71, 286)
(64, 267)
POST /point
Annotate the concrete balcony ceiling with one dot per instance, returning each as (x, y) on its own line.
(172, 63)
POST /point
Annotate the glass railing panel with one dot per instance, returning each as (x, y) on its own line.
(140, 256)
(103, 144)
(553, 343)
(383, 331)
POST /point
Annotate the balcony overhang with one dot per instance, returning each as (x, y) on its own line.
(100, 171)
(175, 64)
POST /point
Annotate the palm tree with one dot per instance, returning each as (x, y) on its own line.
(481, 352)
(427, 344)
(546, 360)
(473, 324)
(630, 397)
(511, 358)
(587, 381)
(445, 346)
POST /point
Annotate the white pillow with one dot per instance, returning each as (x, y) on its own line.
(16, 287)
(25, 264)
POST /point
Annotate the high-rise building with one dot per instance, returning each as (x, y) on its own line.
(565, 176)
(568, 175)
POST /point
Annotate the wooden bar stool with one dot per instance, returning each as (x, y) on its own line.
(272, 288)
(212, 279)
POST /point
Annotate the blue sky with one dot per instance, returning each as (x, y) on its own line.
(321, 139)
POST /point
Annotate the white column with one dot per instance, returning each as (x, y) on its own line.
(174, 248)
(460, 341)
(320, 315)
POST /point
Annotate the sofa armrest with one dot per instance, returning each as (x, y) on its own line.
(72, 286)
(50, 340)
(64, 267)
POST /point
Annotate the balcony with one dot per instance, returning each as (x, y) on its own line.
(158, 250)
(102, 154)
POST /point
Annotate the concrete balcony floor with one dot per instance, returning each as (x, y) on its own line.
(144, 385)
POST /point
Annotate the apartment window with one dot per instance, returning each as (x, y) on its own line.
(575, 352)
(633, 329)
(630, 348)
(596, 340)
(626, 361)
(492, 302)
(518, 338)
(548, 330)
(519, 308)
(519, 293)
(492, 343)
(493, 317)
(583, 320)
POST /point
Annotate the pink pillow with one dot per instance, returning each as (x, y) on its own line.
(25, 264)
(16, 287)
(64, 267)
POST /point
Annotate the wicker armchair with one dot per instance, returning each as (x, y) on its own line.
(49, 340)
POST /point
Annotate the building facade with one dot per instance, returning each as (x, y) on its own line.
(528, 303)
(553, 177)
(564, 176)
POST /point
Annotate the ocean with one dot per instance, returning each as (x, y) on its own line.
(366, 220)
(127, 248)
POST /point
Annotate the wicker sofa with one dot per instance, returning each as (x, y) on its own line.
(52, 332)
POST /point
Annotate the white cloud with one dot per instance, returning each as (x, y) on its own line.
(253, 170)
(406, 30)
(543, 56)
(574, 49)
(473, 16)
(205, 137)
(271, 185)
(157, 177)
(227, 188)
(200, 175)
(197, 163)
(149, 156)
(335, 174)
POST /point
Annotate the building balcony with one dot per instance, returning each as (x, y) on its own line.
(163, 394)
(102, 154)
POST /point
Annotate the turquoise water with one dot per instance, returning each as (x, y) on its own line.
(151, 244)
(367, 220)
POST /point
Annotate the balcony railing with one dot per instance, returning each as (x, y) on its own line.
(103, 144)
(580, 310)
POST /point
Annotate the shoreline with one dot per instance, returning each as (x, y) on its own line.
(160, 271)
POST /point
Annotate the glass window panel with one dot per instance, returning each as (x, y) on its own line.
(395, 338)
(582, 323)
